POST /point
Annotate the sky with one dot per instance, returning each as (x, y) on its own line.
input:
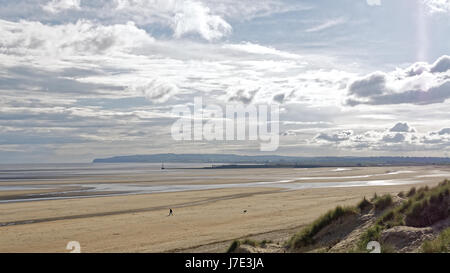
(86, 79)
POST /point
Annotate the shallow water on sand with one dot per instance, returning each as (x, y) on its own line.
(69, 181)
(126, 189)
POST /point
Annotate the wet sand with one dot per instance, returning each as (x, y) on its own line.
(204, 220)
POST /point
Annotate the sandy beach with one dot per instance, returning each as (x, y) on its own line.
(205, 219)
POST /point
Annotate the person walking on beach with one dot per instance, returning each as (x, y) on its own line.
(170, 212)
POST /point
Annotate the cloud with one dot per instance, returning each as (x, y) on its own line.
(82, 37)
(418, 84)
(110, 79)
(156, 91)
(245, 10)
(242, 94)
(441, 65)
(335, 137)
(438, 6)
(445, 131)
(373, 2)
(396, 138)
(402, 138)
(327, 24)
(56, 6)
(438, 94)
(260, 50)
(182, 16)
(402, 127)
(207, 19)
(279, 98)
(196, 18)
(122, 60)
(372, 84)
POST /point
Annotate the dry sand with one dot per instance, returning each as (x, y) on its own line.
(204, 221)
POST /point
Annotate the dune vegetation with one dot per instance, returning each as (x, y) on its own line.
(440, 244)
(306, 236)
(415, 221)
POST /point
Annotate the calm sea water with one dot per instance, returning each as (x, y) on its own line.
(29, 172)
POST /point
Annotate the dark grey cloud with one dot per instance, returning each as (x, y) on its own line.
(335, 137)
(373, 84)
(394, 138)
(438, 94)
(21, 78)
(279, 98)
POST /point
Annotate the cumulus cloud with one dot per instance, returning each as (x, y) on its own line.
(183, 16)
(419, 84)
(196, 18)
(401, 137)
(372, 84)
(402, 127)
(82, 37)
(445, 131)
(441, 65)
(56, 6)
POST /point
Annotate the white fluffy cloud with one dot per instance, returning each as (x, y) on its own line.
(183, 16)
(442, 65)
(82, 37)
(421, 83)
(196, 18)
(56, 6)
(400, 137)
(438, 5)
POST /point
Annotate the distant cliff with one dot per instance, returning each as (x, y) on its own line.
(195, 158)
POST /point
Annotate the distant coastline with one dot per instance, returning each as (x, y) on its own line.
(228, 161)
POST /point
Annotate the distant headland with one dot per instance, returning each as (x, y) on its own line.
(258, 161)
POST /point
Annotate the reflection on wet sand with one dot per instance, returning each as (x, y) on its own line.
(188, 180)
